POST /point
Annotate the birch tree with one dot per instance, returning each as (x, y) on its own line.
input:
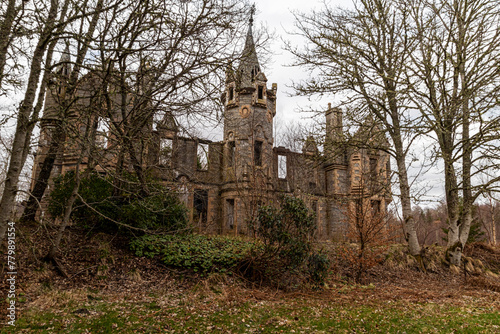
(456, 85)
(59, 134)
(148, 56)
(10, 29)
(24, 127)
(361, 55)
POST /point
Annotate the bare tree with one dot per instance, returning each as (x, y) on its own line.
(10, 28)
(456, 81)
(179, 57)
(25, 124)
(488, 214)
(144, 63)
(361, 54)
(65, 101)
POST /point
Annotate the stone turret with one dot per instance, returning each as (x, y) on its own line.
(52, 118)
(334, 148)
(333, 124)
(248, 133)
(57, 87)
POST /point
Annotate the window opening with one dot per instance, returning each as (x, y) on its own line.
(312, 186)
(260, 92)
(230, 214)
(373, 174)
(359, 211)
(282, 173)
(101, 137)
(375, 208)
(373, 167)
(231, 93)
(257, 154)
(202, 160)
(200, 204)
(166, 148)
(231, 153)
(315, 208)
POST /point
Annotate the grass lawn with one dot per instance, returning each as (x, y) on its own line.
(216, 309)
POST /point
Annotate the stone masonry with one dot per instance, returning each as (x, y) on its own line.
(224, 183)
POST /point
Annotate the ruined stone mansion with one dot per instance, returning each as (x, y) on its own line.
(223, 183)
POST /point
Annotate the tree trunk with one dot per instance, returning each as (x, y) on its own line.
(35, 198)
(409, 222)
(6, 35)
(493, 239)
(59, 135)
(20, 146)
(410, 228)
(52, 254)
(57, 141)
(455, 246)
(466, 220)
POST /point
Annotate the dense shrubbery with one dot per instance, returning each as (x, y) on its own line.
(287, 256)
(161, 210)
(283, 255)
(200, 253)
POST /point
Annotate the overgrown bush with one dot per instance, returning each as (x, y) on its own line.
(287, 256)
(160, 210)
(197, 252)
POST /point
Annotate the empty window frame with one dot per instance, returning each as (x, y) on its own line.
(101, 135)
(375, 208)
(202, 156)
(254, 72)
(200, 206)
(231, 93)
(166, 149)
(312, 186)
(282, 172)
(231, 148)
(373, 175)
(373, 167)
(257, 153)
(230, 214)
(260, 92)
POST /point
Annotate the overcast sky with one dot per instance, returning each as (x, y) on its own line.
(278, 17)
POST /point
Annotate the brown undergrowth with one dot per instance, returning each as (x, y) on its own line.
(101, 264)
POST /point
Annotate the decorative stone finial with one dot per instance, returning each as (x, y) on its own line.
(252, 12)
(249, 64)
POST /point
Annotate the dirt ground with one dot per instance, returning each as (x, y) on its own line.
(102, 262)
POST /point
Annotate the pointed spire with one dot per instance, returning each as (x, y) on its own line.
(310, 147)
(64, 67)
(249, 65)
(66, 55)
(168, 123)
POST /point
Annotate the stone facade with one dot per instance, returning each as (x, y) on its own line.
(224, 183)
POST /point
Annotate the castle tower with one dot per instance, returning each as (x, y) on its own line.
(336, 173)
(334, 134)
(335, 151)
(51, 118)
(248, 139)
